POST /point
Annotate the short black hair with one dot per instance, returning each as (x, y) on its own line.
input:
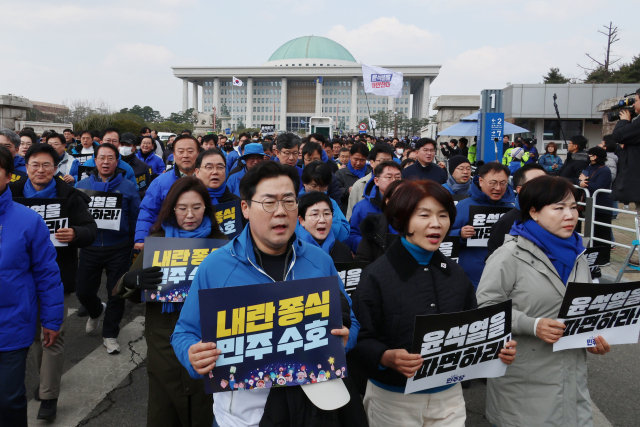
(267, 146)
(544, 191)
(580, 141)
(209, 152)
(110, 146)
(287, 140)
(187, 131)
(318, 137)
(42, 148)
(67, 130)
(407, 162)
(424, 141)
(327, 143)
(309, 199)
(310, 147)
(361, 148)
(493, 167)
(386, 164)
(380, 148)
(244, 135)
(145, 129)
(29, 134)
(109, 130)
(463, 140)
(609, 143)
(210, 137)
(343, 149)
(189, 137)
(55, 134)
(6, 160)
(519, 175)
(318, 172)
(82, 132)
(95, 134)
(265, 170)
(400, 144)
(223, 136)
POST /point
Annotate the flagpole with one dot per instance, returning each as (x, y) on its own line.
(233, 84)
(369, 112)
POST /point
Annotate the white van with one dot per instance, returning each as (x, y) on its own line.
(164, 136)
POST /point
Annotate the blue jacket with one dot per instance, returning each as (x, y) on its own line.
(28, 274)
(152, 202)
(121, 164)
(340, 225)
(233, 183)
(533, 154)
(370, 205)
(472, 259)
(235, 265)
(548, 160)
(128, 217)
(19, 163)
(231, 159)
(154, 162)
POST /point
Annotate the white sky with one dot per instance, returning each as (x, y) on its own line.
(121, 51)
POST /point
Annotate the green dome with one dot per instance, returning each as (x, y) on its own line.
(312, 47)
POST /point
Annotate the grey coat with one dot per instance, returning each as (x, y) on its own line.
(541, 388)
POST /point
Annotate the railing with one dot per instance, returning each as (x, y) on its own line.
(592, 223)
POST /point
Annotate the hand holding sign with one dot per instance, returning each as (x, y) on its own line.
(549, 330)
(65, 235)
(602, 346)
(467, 231)
(143, 279)
(203, 357)
(402, 361)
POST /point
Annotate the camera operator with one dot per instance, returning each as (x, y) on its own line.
(627, 134)
(450, 149)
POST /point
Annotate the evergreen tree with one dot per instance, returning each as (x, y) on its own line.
(554, 76)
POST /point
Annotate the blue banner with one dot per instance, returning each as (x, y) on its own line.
(493, 129)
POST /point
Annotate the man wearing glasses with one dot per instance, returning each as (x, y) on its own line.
(424, 168)
(489, 188)
(42, 160)
(266, 251)
(11, 141)
(67, 165)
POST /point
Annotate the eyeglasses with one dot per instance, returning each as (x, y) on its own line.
(271, 205)
(496, 184)
(316, 187)
(107, 158)
(218, 168)
(45, 166)
(289, 153)
(316, 216)
(182, 210)
(467, 169)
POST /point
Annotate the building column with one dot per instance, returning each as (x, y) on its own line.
(353, 117)
(319, 100)
(195, 95)
(425, 98)
(185, 95)
(283, 105)
(249, 123)
(391, 103)
(216, 95)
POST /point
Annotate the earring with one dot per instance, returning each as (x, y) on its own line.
(535, 219)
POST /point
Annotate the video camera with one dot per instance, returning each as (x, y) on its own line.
(624, 104)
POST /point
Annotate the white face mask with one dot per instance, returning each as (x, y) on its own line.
(399, 150)
(125, 151)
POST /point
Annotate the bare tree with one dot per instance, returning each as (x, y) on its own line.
(603, 67)
(80, 109)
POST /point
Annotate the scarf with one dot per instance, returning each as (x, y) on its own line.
(561, 252)
(357, 172)
(421, 255)
(49, 192)
(216, 193)
(458, 188)
(98, 185)
(325, 245)
(203, 230)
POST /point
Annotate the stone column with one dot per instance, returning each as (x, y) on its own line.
(249, 123)
(185, 95)
(318, 112)
(195, 95)
(216, 95)
(353, 117)
(283, 105)
(424, 107)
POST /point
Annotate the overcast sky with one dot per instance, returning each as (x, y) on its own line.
(121, 52)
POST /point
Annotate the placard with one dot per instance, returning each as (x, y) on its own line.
(350, 273)
(460, 346)
(106, 208)
(482, 219)
(267, 130)
(84, 172)
(229, 217)
(82, 158)
(179, 260)
(450, 247)
(598, 256)
(54, 212)
(591, 309)
(274, 334)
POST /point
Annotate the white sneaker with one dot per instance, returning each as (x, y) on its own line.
(112, 345)
(92, 324)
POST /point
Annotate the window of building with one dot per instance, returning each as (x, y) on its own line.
(552, 129)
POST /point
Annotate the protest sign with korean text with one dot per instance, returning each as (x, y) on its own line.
(450, 247)
(229, 217)
(267, 129)
(598, 256)
(54, 212)
(460, 346)
(482, 219)
(274, 334)
(82, 158)
(350, 273)
(106, 208)
(84, 172)
(179, 260)
(591, 309)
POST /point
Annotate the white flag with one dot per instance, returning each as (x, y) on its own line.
(381, 81)
(237, 82)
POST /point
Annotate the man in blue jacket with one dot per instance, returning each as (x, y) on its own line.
(28, 275)
(424, 168)
(233, 156)
(384, 174)
(11, 141)
(253, 154)
(266, 251)
(185, 150)
(112, 136)
(110, 251)
(489, 188)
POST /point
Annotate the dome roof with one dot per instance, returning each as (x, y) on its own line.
(312, 47)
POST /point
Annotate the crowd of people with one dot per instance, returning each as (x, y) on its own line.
(306, 204)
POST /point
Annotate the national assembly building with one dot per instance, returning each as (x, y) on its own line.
(306, 77)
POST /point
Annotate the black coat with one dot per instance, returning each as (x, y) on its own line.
(500, 228)
(625, 187)
(431, 171)
(375, 238)
(345, 180)
(82, 222)
(341, 253)
(392, 292)
(573, 167)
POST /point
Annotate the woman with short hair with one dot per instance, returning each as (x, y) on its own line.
(412, 278)
(550, 160)
(540, 256)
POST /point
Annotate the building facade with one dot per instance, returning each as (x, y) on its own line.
(306, 77)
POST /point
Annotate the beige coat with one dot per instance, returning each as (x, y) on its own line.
(541, 388)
